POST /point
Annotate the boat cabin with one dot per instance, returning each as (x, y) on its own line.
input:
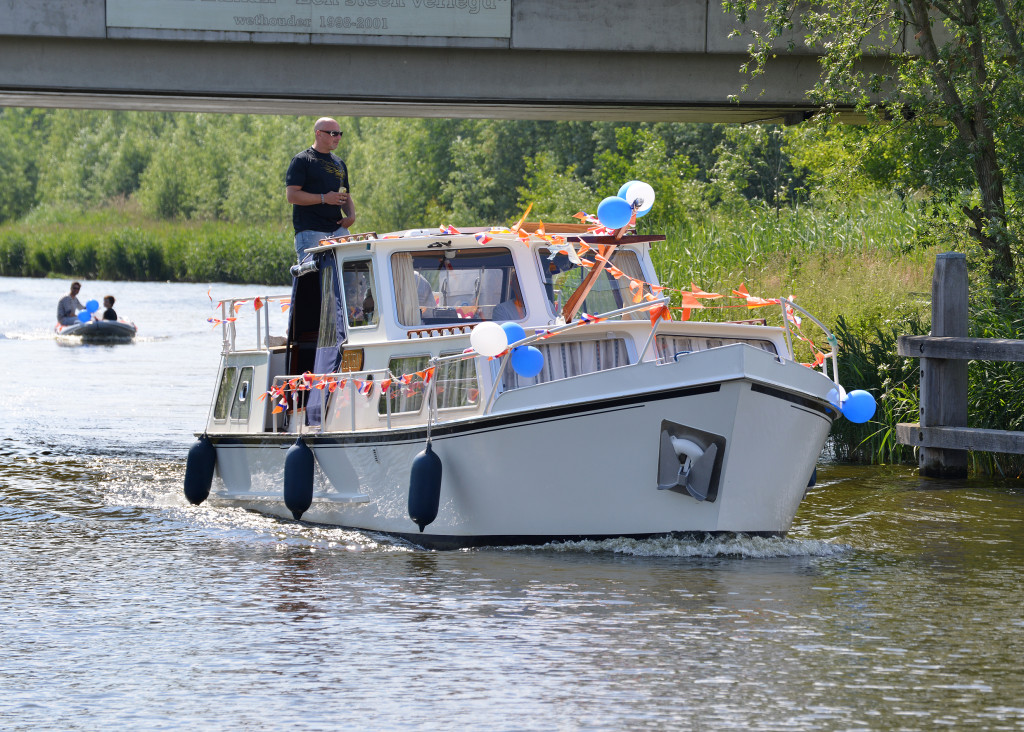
(374, 319)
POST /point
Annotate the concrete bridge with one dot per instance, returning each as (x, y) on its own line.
(656, 60)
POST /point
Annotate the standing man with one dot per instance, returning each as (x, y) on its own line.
(68, 306)
(317, 187)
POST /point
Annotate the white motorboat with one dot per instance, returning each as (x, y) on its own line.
(97, 332)
(395, 404)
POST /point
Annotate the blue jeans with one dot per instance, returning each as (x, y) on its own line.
(309, 238)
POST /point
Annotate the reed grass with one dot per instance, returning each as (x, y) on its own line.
(123, 245)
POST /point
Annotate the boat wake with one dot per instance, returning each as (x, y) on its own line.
(707, 546)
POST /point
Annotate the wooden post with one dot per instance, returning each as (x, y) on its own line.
(944, 381)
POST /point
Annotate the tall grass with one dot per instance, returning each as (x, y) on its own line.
(123, 245)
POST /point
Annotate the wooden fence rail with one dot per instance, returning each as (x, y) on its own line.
(942, 433)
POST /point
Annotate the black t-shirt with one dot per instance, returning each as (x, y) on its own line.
(317, 173)
(109, 314)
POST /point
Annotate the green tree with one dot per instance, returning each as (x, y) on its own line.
(956, 89)
(20, 133)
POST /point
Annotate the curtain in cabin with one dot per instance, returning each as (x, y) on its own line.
(565, 360)
(406, 294)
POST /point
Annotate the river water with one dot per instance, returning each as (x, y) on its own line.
(894, 603)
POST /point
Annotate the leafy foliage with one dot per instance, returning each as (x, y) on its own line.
(952, 94)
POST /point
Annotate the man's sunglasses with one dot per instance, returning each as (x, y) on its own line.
(332, 133)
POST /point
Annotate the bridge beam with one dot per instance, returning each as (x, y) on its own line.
(662, 60)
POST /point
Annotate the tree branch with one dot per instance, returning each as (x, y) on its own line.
(1012, 36)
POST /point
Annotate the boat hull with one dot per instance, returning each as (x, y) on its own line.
(99, 332)
(581, 469)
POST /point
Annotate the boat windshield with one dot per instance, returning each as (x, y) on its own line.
(562, 278)
(456, 285)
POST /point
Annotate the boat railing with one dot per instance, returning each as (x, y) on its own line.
(788, 319)
(543, 333)
(297, 384)
(229, 316)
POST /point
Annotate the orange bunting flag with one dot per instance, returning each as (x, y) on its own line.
(637, 288)
(752, 302)
(699, 293)
(519, 224)
(819, 359)
(238, 306)
(257, 303)
(586, 263)
(385, 385)
(690, 301)
(615, 271)
(660, 312)
(285, 303)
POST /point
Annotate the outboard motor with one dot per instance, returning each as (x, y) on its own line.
(425, 487)
(202, 459)
(298, 478)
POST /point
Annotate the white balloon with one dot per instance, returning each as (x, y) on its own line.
(640, 194)
(488, 339)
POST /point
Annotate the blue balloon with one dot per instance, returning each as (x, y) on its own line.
(84, 316)
(859, 406)
(514, 332)
(626, 185)
(527, 361)
(92, 306)
(614, 212)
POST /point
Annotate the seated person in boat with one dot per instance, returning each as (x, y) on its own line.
(108, 303)
(511, 309)
(69, 305)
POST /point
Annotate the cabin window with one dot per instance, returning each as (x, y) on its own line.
(456, 286)
(562, 277)
(670, 347)
(404, 397)
(243, 395)
(457, 385)
(360, 294)
(572, 358)
(224, 392)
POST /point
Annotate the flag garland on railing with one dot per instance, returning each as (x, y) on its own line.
(411, 384)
